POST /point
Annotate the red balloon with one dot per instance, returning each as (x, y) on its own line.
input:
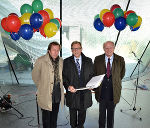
(108, 19)
(4, 24)
(127, 13)
(13, 14)
(13, 23)
(59, 21)
(45, 15)
(42, 31)
(114, 7)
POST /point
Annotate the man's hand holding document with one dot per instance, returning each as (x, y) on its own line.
(94, 82)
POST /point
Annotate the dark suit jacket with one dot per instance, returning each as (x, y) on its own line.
(70, 77)
(118, 72)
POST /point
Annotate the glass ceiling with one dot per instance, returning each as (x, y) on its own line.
(77, 24)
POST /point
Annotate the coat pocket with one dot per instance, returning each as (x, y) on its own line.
(73, 100)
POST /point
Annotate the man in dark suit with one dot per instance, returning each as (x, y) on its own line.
(108, 94)
(77, 71)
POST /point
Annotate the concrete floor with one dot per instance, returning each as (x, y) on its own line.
(23, 98)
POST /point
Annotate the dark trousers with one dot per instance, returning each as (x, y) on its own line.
(109, 107)
(49, 118)
(77, 118)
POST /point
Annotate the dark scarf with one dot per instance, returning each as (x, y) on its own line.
(55, 64)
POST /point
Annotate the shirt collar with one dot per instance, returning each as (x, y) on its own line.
(111, 58)
(77, 58)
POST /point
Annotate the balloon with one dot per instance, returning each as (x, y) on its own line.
(26, 31)
(15, 36)
(59, 21)
(50, 29)
(51, 15)
(127, 13)
(45, 17)
(55, 21)
(98, 25)
(103, 12)
(97, 16)
(25, 18)
(139, 22)
(42, 31)
(36, 20)
(134, 29)
(118, 12)
(108, 19)
(13, 14)
(114, 7)
(132, 19)
(4, 24)
(26, 8)
(37, 5)
(13, 23)
(120, 23)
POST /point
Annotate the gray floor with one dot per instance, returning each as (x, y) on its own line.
(23, 98)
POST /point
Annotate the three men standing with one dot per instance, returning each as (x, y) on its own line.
(77, 71)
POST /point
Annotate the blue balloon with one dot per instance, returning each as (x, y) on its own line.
(36, 20)
(120, 23)
(134, 29)
(15, 35)
(98, 25)
(26, 31)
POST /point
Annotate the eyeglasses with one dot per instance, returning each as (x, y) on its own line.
(74, 49)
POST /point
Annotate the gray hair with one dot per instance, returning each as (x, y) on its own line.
(109, 42)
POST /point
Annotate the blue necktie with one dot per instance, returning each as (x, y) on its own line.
(78, 66)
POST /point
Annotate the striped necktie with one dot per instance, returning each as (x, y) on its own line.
(78, 66)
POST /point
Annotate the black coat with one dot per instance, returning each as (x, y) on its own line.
(80, 99)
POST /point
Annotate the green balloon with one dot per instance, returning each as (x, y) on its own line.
(97, 16)
(37, 5)
(26, 8)
(118, 12)
(55, 21)
(132, 19)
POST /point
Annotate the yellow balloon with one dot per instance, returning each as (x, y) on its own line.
(50, 29)
(124, 12)
(51, 15)
(20, 18)
(102, 13)
(139, 22)
(25, 18)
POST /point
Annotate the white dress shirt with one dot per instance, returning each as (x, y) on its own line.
(111, 60)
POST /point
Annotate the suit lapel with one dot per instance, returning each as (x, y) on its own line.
(83, 64)
(103, 66)
(74, 65)
(114, 63)
(47, 59)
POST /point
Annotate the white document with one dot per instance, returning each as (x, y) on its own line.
(94, 82)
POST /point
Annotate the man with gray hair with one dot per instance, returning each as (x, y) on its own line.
(108, 94)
